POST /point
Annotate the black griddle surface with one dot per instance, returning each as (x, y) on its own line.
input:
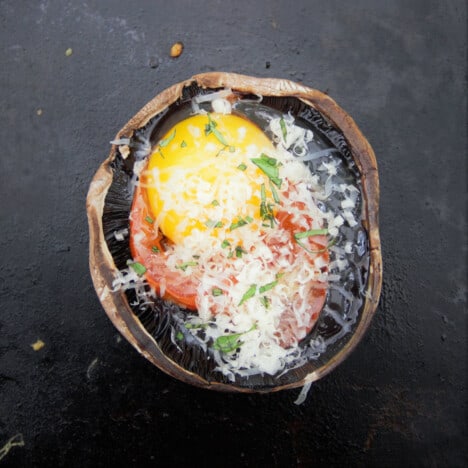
(87, 398)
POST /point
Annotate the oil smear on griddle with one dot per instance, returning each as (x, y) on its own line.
(336, 191)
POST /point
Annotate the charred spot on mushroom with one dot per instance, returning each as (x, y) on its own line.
(335, 170)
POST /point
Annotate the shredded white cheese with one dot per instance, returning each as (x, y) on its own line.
(266, 286)
(121, 234)
(301, 398)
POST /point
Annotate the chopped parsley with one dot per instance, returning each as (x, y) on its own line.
(242, 167)
(298, 236)
(263, 193)
(284, 130)
(137, 267)
(184, 266)
(210, 127)
(274, 193)
(166, 141)
(248, 294)
(266, 209)
(149, 219)
(240, 222)
(229, 343)
(262, 289)
(225, 244)
(267, 287)
(310, 233)
(183, 144)
(270, 167)
(239, 251)
(217, 292)
(155, 249)
(193, 326)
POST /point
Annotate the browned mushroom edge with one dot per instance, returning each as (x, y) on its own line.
(102, 265)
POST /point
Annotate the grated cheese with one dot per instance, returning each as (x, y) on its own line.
(301, 398)
(267, 256)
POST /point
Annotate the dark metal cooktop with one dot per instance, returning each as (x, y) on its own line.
(86, 398)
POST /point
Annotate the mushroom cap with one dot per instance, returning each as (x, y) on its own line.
(103, 266)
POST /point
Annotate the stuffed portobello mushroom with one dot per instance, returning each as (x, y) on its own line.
(234, 233)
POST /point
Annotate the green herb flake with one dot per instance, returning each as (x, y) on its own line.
(149, 220)
(266, 211)
(270, 167)
(185, 265)
(265, 302)
(239, 251)
(310, 233)
(248, 294)
(241, 222)
(180, 336)
(225, 244)
(215, 203)
(242, 167)
(137, 267)
(183, 144)
(267, 287)
(263, 193)
(193, 326)
(274, 193)
(217, 292)
(229, 343)
(166, 141)
(219, 136)
(298, 236)
(211, 128)
(283, 129)
(155, 249)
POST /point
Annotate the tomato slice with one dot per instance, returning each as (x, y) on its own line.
(290, 330)
(147, 248)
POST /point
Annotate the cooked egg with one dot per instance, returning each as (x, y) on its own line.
(200, 178)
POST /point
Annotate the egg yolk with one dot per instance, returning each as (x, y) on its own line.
(200, 177)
